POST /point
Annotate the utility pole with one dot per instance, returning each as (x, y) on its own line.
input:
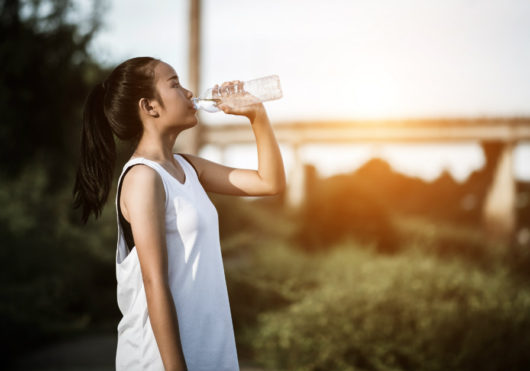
(188, 141)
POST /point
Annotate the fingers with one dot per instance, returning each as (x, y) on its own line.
(215, 91)
(226, 89)
(229, 87)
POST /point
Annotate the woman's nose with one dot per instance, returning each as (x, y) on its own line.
(189, 94)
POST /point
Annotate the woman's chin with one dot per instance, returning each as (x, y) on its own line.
(193, 121)
(183, 125)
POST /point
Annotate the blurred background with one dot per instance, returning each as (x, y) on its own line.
(402, 241)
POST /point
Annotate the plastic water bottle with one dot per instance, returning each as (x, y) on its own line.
(240, 95)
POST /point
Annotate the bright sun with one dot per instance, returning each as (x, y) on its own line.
(375, 95)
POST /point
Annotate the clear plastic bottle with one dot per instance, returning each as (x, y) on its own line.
(240, 95)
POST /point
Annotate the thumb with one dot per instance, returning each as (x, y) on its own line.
(224, 108)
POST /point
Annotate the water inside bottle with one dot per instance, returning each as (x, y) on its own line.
(208, 105)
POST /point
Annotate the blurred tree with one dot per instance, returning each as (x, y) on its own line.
(46, 71)
(53, 279)
(340, 207)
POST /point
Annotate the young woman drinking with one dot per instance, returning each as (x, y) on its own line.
(171, 284)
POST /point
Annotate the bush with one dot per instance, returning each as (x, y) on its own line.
(339, 209)
(242, 223)
(57, 276)
(406, 312)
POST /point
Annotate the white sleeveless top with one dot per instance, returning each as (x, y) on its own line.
(196, 279)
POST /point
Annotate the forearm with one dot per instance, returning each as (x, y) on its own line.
(270, 163)
(164, 322)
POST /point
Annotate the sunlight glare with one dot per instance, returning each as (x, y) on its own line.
(374, 95)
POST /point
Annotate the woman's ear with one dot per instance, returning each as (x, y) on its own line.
(148, 107)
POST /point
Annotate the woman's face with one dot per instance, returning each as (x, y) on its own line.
(177, 109)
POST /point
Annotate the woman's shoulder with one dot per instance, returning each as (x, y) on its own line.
(150, 170)
(142, 172)
(141, 181)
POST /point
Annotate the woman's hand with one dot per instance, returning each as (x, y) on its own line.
(236, 101)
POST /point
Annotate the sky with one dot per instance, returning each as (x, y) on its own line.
(348, 59)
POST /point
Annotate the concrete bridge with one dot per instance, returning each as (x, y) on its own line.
(499, 210)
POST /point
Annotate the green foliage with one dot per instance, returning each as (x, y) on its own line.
(274, 276)
(55, 274)
(46, 73)
(407, 312)
(243, 223)
(451, 241)
(448, 300)
(57, 277)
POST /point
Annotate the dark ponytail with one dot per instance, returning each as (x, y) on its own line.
(98, 154)
(110, 109)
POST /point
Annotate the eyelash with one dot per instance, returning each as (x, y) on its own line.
(176, 85)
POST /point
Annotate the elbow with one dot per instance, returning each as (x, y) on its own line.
(273, 188)
(282, 188)
(278, 189)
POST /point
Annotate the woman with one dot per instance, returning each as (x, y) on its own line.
(171, 284)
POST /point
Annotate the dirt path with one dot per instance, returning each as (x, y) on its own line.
(86, 353)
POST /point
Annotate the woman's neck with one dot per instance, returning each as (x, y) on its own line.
(156, 147)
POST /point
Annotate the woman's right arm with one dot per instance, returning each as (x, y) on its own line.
(145, 204)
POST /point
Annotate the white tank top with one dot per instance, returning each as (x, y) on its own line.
(196, 279)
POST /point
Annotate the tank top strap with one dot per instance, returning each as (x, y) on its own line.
(121, 253)
(127, 165)
(152, 164)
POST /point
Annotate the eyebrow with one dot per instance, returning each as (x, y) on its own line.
(173, 77)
